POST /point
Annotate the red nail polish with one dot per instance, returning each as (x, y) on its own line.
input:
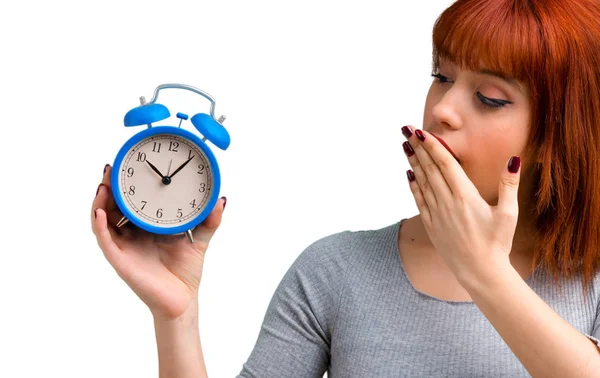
(408, 149)
(406, 131)
(224, 201)
(411, 175)
(513, 164)
(105, 168)
(420, 135)
(95, 213)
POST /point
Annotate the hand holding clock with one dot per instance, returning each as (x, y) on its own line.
(163, 270)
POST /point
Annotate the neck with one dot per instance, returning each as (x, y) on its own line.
(521, 255)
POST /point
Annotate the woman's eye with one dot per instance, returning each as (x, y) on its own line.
(492, 102)
(486, 102)
(440, 78)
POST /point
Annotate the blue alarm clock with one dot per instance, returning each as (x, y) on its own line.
(165, 179)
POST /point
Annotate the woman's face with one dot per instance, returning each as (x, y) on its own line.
(483, 118)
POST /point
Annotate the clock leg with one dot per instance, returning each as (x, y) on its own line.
(122, 222)
(188, 233)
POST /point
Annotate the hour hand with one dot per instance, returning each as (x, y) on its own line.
(155, 169)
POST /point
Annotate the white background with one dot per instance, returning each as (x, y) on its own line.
(315, 94)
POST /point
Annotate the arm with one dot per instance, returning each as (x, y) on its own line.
(459, 222)
(546, 344)
(179, 349)
(295, 337)
(165, 272)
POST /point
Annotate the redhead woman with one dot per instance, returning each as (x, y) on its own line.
(497, 276)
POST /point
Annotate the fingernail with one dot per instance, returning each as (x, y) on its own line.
(411, 175)
(98, 190)
(105, 168)
(406, 131)
(420, 135)
(95, 213)
(513, 164)
(224, 201)
(408, 149)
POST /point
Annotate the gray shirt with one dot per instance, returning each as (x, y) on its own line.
(347, 307)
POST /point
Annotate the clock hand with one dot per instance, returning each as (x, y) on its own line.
(169, 169)
(181, 166)
(155, 169)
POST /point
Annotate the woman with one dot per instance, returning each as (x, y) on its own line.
(496, 276)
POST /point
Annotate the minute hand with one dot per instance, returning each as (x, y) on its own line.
(181, 166)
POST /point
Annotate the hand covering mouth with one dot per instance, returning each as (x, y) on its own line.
(446, 145)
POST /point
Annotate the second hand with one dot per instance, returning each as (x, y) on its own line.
(169, 169)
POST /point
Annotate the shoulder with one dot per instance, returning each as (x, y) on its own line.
(339, 245)
(319, 276)
(333, 254)
(568, 294)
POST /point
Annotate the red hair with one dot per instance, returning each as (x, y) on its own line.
(553, 47)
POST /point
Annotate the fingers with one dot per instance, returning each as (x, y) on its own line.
(106, 175)
(105, 214)
(111, 206)
(99, 200)
(105, 236)
(103, 205)
(442, 168)
(105, 200)
(421, 177)
(508, 191)
(418, 196)
(205, 230)
(432, 183)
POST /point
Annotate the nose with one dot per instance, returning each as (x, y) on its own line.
(446, 112)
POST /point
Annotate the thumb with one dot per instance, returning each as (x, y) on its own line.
(205, 230)
(509, 188)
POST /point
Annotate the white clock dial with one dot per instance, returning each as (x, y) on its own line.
(166, 180)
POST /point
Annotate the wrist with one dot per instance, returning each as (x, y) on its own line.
(178, 343)
(487, 275)
(189, 317)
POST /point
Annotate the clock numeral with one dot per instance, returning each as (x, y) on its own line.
(202, 188)
(141, 156)
(173, 146)
(179, 213)
(193, 203)
(131, 190)
(130, 172)
(144, 204)
(190, 155)
(155, 149)
(201, 169)
(159, 213)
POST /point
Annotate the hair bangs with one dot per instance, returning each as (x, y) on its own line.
(489, 35)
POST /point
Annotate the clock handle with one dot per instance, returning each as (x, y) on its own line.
(189, 88)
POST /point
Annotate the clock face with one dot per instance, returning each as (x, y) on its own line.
(165, 180)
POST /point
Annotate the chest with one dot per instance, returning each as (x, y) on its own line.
(386, 328)
(412, 338)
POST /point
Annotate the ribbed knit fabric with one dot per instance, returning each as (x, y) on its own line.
(347, 307)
